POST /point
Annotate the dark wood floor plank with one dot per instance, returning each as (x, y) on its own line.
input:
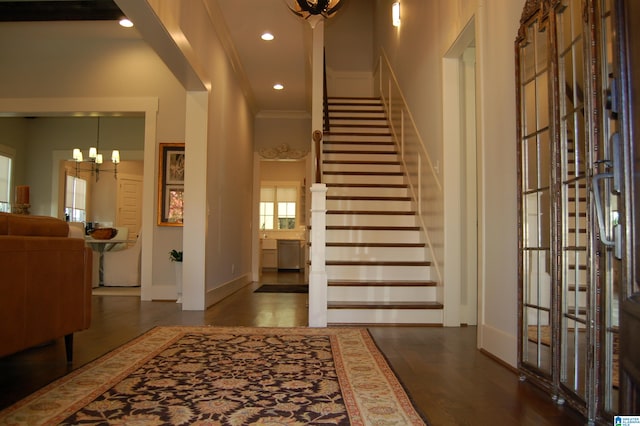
(450, 381)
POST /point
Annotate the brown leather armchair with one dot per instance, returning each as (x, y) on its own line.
(45, 283)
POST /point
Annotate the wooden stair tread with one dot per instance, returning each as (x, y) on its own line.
(355, 283)
(367, 185)
(366, 134)
(374, 212)
(367, 198)
(357, 152)
(384, 305)
(400, 245)
(360, 126)
(374, 173)
(377, 263)
(340, 142)
(364, 162)
(333, 120)
(372, 228)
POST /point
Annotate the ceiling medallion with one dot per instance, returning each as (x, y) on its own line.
(282, 152)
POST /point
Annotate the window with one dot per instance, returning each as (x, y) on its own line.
(278, 207)
(6, 161)
(75, 200)
(267, 207)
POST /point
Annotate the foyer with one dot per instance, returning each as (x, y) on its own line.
(449, 380)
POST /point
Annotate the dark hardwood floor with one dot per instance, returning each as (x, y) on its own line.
(450, 381)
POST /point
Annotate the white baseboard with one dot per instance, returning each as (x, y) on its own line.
(500, 344)
(217, 294)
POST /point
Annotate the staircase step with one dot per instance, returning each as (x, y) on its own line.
(371, 213)
(376, 263)
(383, 157)
(360, 178)
(355, 283)
(383, 305)
(386, 144)
(370, 203)
(354, 120)
(363, 133)
(342, 165)
(390, 191)
(350, 136)
(373, 228)
(378, 113)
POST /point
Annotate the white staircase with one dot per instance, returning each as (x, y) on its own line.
(376, 261)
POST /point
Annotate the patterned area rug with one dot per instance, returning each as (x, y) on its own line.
(228, 376)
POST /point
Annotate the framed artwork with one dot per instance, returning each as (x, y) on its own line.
(171, 184)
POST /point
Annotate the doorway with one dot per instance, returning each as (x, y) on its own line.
(460, 181)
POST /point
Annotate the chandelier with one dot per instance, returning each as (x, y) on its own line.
(93, 164)
(307, 8)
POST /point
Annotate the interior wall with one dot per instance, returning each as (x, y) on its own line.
(229, 150)
(272, 131)
(416, 50)
(349, 51)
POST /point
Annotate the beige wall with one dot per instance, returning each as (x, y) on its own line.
(416, 51)
(225, 151)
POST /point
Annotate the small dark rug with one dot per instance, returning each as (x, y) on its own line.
(283, 288)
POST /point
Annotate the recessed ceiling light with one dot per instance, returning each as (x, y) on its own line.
(278, 86)
(267, 36)
(126, 23)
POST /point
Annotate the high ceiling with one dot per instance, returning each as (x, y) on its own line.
(264, 64)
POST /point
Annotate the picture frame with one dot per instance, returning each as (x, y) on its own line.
(171, 163)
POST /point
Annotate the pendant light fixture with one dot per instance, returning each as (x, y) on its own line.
(95, 160)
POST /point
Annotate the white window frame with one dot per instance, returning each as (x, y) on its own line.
(276, 203)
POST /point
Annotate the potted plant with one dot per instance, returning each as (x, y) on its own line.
(176, 257)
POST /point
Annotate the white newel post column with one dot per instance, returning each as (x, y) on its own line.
(318, 272)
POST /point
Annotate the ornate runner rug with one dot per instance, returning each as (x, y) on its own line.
(228, 376)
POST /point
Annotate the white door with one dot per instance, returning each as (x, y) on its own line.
(129, 210)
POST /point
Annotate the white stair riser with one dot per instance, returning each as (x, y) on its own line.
(376, 253)
(378, 179)
(354, 107)
(351, 167)
(358, 114)
(361, 132)
(370, 220)
(377, 272)
(382, 205)
(349, 136)
(377, 148)
(373, 236)
(364, 122)
(373, 191)
(354, 155)
(381, 294)
(382, 316)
